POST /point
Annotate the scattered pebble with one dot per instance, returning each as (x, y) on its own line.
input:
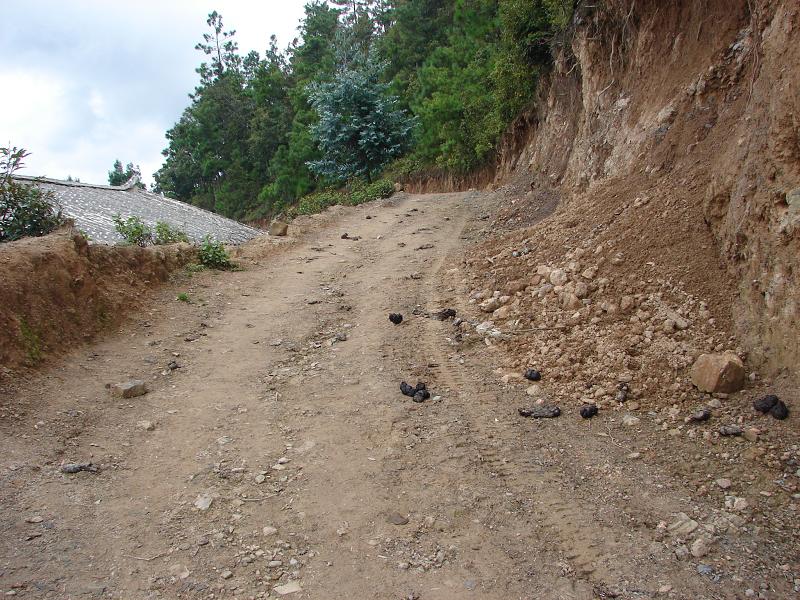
(395, 518)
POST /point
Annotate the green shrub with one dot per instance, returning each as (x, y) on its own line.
(213, 255)
(357, 193)
(25, 209)
(133, 230)
(166, 234)
(182, 297)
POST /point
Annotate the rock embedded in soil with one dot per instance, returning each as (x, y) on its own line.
(396, 318)
(287, 588)
(278, 228)
(146, 425)
(589, 411)
(540, 412)
(715, 373)
(395, 518)
(129, 389)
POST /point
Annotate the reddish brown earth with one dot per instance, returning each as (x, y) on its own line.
(285, 411)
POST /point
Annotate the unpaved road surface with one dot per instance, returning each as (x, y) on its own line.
(323, 480)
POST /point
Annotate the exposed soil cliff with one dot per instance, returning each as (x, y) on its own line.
(671, 133)
(58, 291)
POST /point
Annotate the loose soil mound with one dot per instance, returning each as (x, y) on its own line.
(58, 291)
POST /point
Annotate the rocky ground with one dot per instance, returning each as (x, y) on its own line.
(274, 455)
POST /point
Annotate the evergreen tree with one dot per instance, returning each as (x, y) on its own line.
(118, 176)
(360, 128)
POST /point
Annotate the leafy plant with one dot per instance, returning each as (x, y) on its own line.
(166, 234)
(134, 231)
(25, 209)
(31, 341)
(183, 297)
(212, 254)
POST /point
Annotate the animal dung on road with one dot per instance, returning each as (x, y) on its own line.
(765, 404)
(588, 411)
(540, 412)
(533, 375)
(780, 411)
(419, 393)
(773, 405)
(396, 318)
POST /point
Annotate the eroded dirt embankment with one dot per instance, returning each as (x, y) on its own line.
(670, 133)
(58, 290)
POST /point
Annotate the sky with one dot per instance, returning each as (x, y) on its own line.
(85, 82)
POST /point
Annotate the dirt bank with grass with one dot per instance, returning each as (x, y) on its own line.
(58, 291)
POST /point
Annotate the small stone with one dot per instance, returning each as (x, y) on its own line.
(630, 420)
(287, 588)
(278, 228)
(534, 391)
(179, 571)
(750, 434)
(146, 425)
(558, 277)
(665, 589)
(260, 478)
(129, 389)
(226, 574)
(740, 504)
(395, 518)
(269, 530)
(683, 526)
(588, 411)
(724, 483)
(700, 547)
(203, 502)
(706, 570)
(34, 519)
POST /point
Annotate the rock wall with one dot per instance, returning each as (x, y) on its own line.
(676, 126)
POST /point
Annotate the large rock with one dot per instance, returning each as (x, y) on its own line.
(278, 228)
(718, 373)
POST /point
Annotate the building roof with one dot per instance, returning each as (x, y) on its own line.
(93, 207)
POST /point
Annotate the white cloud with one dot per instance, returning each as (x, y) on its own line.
(92, 81)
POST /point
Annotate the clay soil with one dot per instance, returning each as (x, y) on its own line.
(281, 458)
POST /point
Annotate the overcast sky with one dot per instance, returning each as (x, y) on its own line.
(84, 82)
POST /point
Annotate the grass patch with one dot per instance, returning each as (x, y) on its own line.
(31, 341)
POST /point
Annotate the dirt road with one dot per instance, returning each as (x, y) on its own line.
(323, 480)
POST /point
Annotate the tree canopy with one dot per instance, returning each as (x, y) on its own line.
(260, 132)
